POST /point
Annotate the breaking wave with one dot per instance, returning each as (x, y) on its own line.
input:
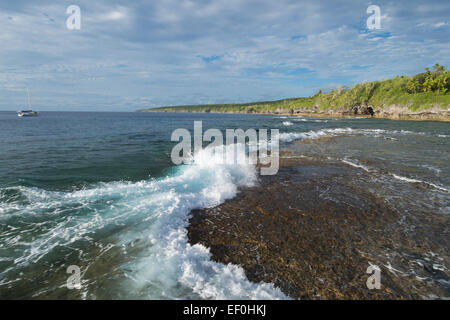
(169, 264)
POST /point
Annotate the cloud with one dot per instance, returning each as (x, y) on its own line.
(184, 52)
(119, 14)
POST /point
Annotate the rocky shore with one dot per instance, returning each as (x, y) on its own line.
(313, 233)
(394, 112)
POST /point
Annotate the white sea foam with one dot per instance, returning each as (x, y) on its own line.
(356, 164)
(410, 180)
(314, 134)
(287, 123)
(310, 120)
(169, 266)
(291, 136)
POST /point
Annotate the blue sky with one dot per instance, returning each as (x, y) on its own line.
(135, 54)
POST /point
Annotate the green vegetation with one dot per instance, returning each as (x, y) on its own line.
(437, 80)
(253, 107)
(419, 92)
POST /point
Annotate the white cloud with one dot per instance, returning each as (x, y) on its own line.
(120, 13)
(154, 49)
(440, 24)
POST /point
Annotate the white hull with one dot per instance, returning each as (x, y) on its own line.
(27, 114)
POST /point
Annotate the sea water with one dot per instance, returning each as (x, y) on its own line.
(99, 191)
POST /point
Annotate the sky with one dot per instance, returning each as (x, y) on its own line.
(137, 54)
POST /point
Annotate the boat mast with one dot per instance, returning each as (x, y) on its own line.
(28, 98)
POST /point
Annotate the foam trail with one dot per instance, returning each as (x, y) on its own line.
(410, 180)
(401, 178)
(356, 165)
(292, 136)
(310, 120)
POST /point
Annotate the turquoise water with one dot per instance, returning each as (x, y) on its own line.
(98, 190)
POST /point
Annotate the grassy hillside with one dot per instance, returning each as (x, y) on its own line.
(419, 92)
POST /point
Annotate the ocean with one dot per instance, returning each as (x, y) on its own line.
(99, 191)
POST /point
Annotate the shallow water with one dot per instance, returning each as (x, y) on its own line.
(98, 190)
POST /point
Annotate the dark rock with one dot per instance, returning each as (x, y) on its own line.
(284, 233)
(360, 110)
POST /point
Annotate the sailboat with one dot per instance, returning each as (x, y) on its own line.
(29, 112)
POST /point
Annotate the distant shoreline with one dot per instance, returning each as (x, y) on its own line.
(424, 96)
(443, 116)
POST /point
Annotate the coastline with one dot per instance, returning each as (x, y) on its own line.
(425, 115)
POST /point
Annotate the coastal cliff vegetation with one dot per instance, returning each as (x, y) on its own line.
(421, 92)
